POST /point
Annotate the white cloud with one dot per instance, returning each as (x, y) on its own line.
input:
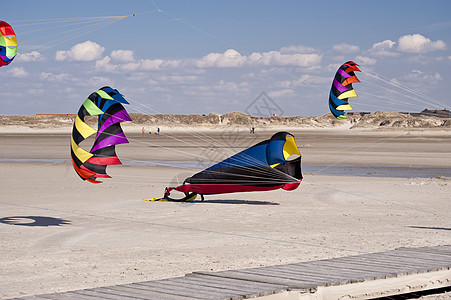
(178, 78)
(53, 77)
(36, 91)
(86, 51)
(281, 93)
(104, 65)
(232, 58)
(311, 80)
(99, 81)
(417, 75)
(122, 55)
(364, 60)
(384, 48)
(416, 43)
(30, 56)
(151, 64)
(18, 72)
(346, 48)
(229, 59)
(275, 58)
(221, 86)
(297, 49)
(132, 66)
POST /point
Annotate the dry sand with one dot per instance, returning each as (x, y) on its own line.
(59, 233)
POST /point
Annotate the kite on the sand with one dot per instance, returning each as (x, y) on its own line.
(269, 165)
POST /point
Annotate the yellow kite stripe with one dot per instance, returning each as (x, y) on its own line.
(347, 94)
(84, 129)
(344, 107)
(290, 148)
(10, 40)
(80, 153)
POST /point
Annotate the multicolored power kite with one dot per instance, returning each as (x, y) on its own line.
(105, 103)
(8, 44)
(269, 165)
(342, 89)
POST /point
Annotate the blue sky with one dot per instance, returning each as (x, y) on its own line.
(196, 57)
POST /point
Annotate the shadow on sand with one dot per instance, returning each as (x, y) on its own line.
(433, 228)
(34, 221)
(248, 202)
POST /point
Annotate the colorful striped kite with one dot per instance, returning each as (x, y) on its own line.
(342, 89)
(269, 165)
(8, 44)
(106, 104)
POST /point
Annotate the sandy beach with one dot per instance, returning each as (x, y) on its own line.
(60, 233)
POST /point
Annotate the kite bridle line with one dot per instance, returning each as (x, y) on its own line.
(245, 158)
(202, 137)
(96, 23)
(405, 88)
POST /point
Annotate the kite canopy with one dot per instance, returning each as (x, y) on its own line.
(105, 103)
(342, 89)
(269, 165)
(8, 44)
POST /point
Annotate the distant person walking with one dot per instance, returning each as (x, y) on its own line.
(143, 130)
(158, 130)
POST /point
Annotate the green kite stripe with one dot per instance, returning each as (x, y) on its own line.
(92, 109)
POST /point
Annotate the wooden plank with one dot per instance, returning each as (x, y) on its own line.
(28, 298)
(339, 273)
(249, 291)
(438, 252)
(393, 262)
(137, 293)
(146, 290)
(180, 291)
(361, 264)
(323, 279)
(300, 279)
(264, 279)
(370, 267)
(380, 266)
(223, 289)
(381, 263)
(201, 289)
(318, 269)
(330, 269)
(236, 283)
(72, 295)
(426, 257)
(444, 249)
(98, 295)
(111, 291)
(398, 262)
(313, 277)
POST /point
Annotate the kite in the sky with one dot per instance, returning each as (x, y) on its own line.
(8, 44)
(105, 103)
(269, 165)
(342, 89)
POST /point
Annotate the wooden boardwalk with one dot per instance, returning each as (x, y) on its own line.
(366, 276)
